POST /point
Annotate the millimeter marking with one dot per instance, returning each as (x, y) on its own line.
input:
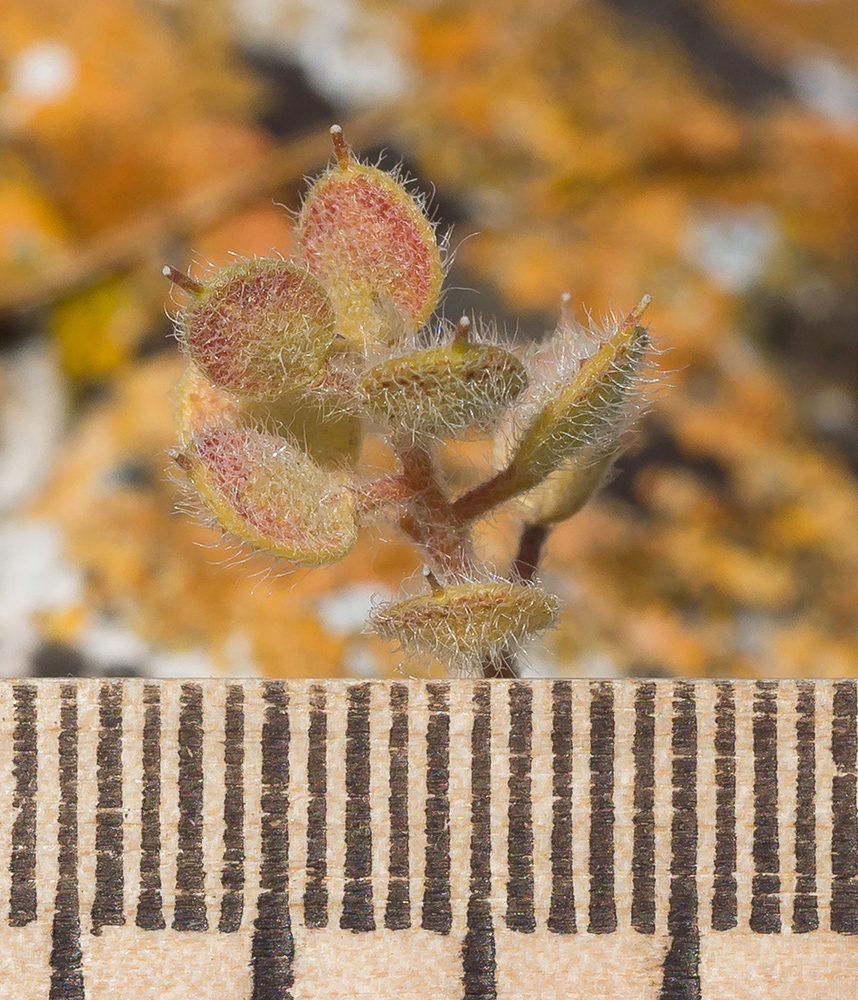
(477, 840)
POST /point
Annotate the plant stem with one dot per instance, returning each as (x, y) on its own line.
(533, 537)
(502, 486)
(524, 568)
(429, 519)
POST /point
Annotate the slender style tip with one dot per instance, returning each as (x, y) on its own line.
(463, 331)
(640, 308)
(181, 279)
(432, 580)
(634, 317)
(341, 149)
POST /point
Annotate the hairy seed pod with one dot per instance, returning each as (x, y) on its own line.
(372, 246)
(444, 391)
(259, 327)
(201, 406)
(565, 491)
(320, 425)
(464, 623)
(268, 494)
(586, 412)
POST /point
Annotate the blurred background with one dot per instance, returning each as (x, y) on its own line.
(704, 151)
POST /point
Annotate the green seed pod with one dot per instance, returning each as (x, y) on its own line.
(587, 411)
(372, 246)
(324, 430)
(465, 623)
(444, 391)
(565, 491)
(259, 327)
(201, 406)
(268, 494)
(320, 425)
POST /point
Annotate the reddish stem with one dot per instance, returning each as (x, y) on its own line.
(488, 494)
(388, 489)
(430, 520)
(533, 537)
(524, 568)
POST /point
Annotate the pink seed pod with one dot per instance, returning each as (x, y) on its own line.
(444, 391)
(258, 327)
(463, 624)
(267, 493)
(372, 246)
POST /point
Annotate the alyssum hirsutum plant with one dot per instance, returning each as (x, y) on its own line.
(293, 362)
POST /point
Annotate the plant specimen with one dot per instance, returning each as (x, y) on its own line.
(292, 362)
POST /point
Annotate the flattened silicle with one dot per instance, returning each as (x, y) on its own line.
(371, 245)
(464, 623)
(444, 391)
(259, 327)
(587, 412)
(268, 494)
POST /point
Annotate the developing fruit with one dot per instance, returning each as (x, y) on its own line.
(270, 495)
(444, 391)
(294, 364)
(588, 411)
(467, 623)
(371, 245)
(259, 327)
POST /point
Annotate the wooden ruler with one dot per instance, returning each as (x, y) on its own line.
(661, 840)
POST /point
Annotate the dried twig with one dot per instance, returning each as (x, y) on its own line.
(146, 237)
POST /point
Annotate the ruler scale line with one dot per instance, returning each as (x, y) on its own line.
(150, 912)
(190, 910)
(519, 890)
(358, 914)
(316, 889)
(478, 950)
(766, 884)
(232, 873)
(805, 915)
(844, 835)
(603, 909)
(25, 768)
(682, 962)
(273, 948)
(66, 954)
(437, 907)
(643, 862)
(724, 901)
(561, 917)
(397, 913)
(108, 904)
